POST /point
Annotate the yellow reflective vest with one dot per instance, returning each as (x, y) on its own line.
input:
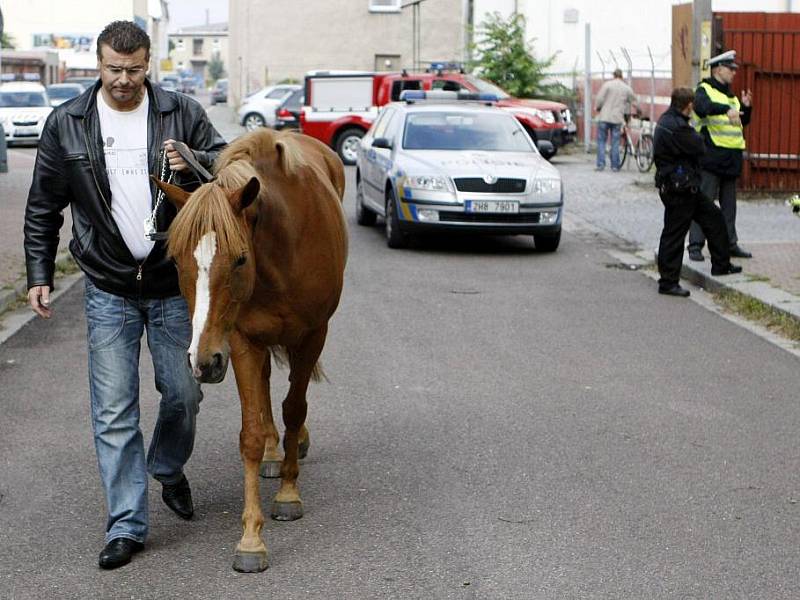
(723, 133)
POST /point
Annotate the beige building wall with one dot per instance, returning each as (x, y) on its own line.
(187, 53)
(282, 39)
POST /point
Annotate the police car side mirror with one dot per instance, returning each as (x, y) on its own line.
(382, 142)
(546, 148)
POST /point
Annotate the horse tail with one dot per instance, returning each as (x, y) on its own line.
(280, 356)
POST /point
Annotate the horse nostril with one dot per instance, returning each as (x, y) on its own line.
(217, 361)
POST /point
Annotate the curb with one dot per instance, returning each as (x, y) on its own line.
(19, 290)
(700, 275)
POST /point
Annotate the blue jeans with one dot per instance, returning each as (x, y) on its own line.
(603, 127)
(115, 326)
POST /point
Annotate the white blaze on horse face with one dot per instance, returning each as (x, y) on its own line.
(204, 255)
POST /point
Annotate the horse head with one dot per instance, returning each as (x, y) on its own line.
(210, 242)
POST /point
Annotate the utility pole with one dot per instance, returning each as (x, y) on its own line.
(701, 39)
(587, 91)
(416, 27)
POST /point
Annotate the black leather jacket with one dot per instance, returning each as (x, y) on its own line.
(677, 151)
(70, 170)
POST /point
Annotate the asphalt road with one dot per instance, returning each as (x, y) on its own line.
(499, 424)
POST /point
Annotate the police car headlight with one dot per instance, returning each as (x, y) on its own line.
(548, 217)
(546, 186)
(431, 183)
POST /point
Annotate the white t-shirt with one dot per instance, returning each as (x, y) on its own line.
(125, 148)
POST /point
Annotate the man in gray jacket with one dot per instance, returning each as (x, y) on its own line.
(613, 102)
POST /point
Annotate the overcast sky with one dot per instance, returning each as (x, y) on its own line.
(186, 13)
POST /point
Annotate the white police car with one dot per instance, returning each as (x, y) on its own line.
(450, 161)
(24, 108)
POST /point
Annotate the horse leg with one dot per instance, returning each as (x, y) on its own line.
(271, 461)
(287, 505)
(251, 552)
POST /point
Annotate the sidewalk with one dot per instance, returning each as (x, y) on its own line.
(626, 205)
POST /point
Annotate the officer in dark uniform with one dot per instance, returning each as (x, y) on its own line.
(677, 149)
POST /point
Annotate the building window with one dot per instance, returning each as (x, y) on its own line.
(179, 45)
(384, 5)
(197, 46)
(216, 43)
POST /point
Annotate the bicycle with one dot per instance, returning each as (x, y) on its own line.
(642, 150)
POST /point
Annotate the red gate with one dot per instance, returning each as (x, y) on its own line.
(768, 53)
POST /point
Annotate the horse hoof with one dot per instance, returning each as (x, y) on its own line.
(302, 448)
(250, 562)
(287, 511)
(270, 469)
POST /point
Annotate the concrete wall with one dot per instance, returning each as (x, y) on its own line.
(282, 39)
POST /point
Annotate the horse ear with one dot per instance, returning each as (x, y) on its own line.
(178, 196)
(244, 196)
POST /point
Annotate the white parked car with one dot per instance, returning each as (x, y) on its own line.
(258, 110)
(24, 107)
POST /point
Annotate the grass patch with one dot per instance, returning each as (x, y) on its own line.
(763, 278)
(763, 314)
(66, 266)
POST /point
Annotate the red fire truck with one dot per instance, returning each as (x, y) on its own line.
(341, 105)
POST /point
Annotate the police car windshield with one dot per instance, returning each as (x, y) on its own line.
(464, 131)
(21, 99)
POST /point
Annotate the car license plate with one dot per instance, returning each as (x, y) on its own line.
(25, 130)
(491, 206)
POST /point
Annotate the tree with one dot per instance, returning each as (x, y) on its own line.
(7, 42)
(505, 57)
(216, 68)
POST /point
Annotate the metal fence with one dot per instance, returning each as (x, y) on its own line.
(768, 53)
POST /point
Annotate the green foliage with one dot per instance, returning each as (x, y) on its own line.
(505, 57)
(7, 42)
(216, 69)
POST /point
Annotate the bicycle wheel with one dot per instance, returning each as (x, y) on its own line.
(644, 152)
(624, 143)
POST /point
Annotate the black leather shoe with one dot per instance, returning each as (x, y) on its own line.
(118, 552)
(729, 270)
(179, 498)
(696, 255)
(738, 252)
(674, 290)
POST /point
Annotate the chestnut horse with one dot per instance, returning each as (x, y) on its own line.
(261, 253)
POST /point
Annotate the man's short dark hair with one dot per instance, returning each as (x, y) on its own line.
(124, 37)
(681, 97)
(618, 73)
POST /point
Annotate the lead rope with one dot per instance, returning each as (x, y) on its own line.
(150, 222)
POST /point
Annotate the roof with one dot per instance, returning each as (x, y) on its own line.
(207, 29)
(22, 86)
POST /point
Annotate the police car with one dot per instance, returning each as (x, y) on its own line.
(24, 108)
(447, 161)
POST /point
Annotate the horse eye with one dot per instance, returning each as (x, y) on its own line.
(240, 261)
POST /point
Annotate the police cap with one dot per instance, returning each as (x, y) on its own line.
(726, 59)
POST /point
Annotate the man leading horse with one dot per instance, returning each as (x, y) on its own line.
(96, 155)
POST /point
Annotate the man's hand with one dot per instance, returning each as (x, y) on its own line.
(735, 117)
(176, 162)
(39, 299)
(747, 98)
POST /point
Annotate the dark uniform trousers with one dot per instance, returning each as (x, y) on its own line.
(724, 188)
(680, 209)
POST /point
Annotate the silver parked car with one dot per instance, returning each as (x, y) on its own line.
(449, 164)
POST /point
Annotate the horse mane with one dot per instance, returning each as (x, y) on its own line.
(207, 210)
(263, 148)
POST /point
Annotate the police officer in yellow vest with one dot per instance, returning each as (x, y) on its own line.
(720, 117)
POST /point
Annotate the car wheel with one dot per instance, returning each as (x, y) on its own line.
(364, 216)
(253, 121)
(547, 242)
(347, 145)
(394, 237)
